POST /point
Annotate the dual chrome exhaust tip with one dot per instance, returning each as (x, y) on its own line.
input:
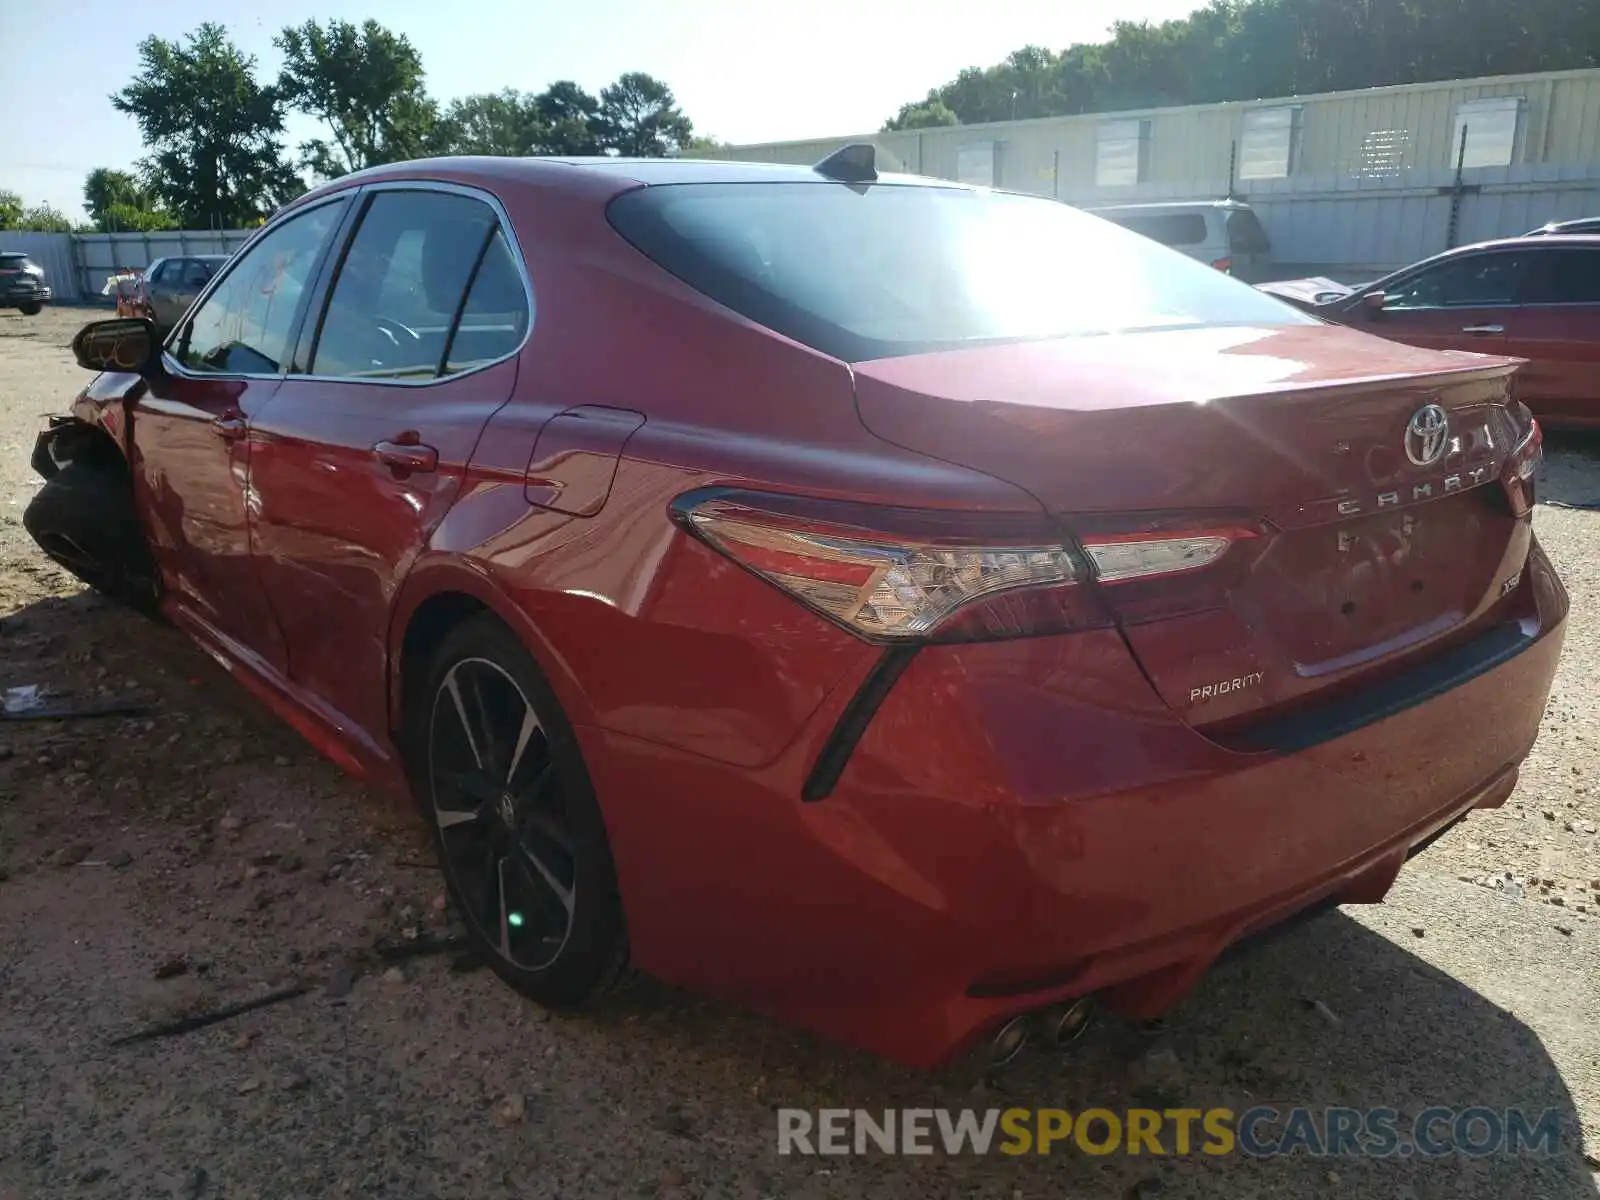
(1063, 1026)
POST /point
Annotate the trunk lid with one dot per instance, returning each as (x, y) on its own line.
(1364, 558)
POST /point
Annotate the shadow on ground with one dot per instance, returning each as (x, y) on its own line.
(1568, 478)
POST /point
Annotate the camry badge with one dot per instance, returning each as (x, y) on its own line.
(1427, 435)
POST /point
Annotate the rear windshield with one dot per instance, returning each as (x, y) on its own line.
(885, 270)
(1245, 234)
(1170, 229)
(13, 262)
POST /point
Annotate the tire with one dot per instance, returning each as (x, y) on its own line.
(31, 309)
(84, 518)
(521, 826)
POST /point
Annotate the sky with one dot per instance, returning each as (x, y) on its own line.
(742, 70)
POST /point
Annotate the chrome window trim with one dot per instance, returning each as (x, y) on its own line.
(503, 222)
(1513, 304)
(169, 361)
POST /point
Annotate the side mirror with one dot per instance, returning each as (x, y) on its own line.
(121, 344)
(1372, 303)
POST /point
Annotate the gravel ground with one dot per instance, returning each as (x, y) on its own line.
(159, 867)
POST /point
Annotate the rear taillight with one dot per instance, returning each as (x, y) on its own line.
(891, 574)
(1120, 557)
(1225, 265)
(1519, 476)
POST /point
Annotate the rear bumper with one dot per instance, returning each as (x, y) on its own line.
(1024, 822)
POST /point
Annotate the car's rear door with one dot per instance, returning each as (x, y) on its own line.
(365, 446)
(1462, 303)
(1557, 328)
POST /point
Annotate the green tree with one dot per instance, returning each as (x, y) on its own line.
(10, 210)
(214, 132)
(702, 145)
(640, 117)
(134, 218)
(365, 84)
(924, 114)
(1246, 49)
(44, 218)
(571, 119)
(504, 123)
(117, 200)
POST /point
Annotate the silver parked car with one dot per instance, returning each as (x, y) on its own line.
(1227, 234)
(170, 285)
(1580, 225)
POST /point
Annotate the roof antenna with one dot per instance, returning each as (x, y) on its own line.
(855, 163)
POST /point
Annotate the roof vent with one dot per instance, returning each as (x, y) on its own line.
(855, 163)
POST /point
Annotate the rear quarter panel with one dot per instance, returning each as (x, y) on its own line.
(650, 633)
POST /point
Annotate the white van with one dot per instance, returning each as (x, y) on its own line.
(1225, 233)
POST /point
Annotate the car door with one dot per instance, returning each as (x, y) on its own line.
(160, 283)
(359, 454)
(1556, 327)
(1461, 303)
(188, 431)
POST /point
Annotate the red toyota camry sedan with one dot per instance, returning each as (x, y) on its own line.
(905, 608)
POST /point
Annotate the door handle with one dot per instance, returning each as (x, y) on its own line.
(406, 456)
(1483, 329)
(231, 427)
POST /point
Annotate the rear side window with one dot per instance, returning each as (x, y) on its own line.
(1246, 234)
(890, 269)
(406, 276)
(1170, 229)
(495, 316)
(1564, 277)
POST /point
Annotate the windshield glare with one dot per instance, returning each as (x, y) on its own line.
(891, 269)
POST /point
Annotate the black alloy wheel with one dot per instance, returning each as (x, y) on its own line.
(514, 820)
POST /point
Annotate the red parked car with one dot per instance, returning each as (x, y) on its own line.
(779, 577)
(1535, 297)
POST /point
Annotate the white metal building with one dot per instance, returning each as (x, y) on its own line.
(1354, 180)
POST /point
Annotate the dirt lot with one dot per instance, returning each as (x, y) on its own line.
(199, 855)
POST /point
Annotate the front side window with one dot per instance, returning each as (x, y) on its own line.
(1475, 281)
(396, 295)
(245, 325)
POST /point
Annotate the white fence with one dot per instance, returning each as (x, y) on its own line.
(53, 252)
(1351, 227)
(1342, 225)
(77, 264)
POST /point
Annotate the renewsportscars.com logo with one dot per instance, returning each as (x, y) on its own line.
(1261, 1132)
